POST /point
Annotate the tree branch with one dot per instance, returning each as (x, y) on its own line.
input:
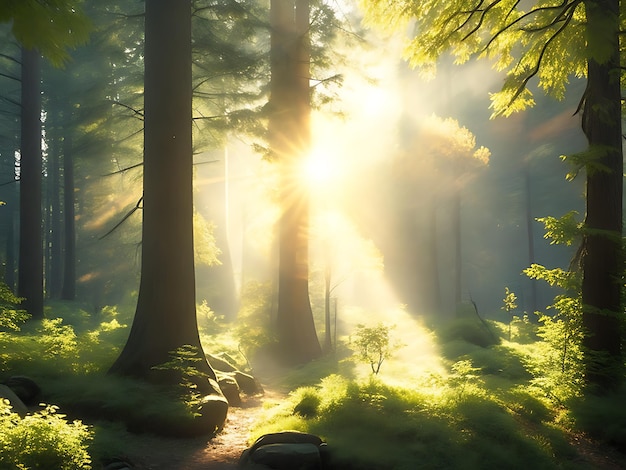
(537, 66)
(138, 113)
(128, 214)
(124, 170)
(11, 77)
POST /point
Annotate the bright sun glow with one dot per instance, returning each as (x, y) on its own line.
(319, 167)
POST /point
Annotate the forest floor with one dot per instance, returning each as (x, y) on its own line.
(222, 452)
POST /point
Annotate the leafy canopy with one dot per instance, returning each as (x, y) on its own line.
(48, 25)
(545, 39)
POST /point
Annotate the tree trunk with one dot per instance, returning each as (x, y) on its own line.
(456, 233)
(289, 130)
(602, 261)
(54, 255)
(165, 318)
(530, 235)
(68, 290)
(12, 215)
(328, 341)
(30, 270)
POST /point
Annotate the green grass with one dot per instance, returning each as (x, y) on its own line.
(489, 403)
(493, 408)
(370, 425)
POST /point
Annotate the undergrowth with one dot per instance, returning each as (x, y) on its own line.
(494, 406)
(448, 423)
(44, 440)
(494, 402)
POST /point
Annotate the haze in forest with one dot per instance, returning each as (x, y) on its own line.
(356, 141)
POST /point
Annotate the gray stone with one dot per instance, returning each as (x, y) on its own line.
(286, 450)
(288, 456)
(24, 387)
(247, 383)
(229, 387)
(18, 405)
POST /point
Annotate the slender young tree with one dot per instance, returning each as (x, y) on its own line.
(550, 40)
(289, 134)
(165, 318)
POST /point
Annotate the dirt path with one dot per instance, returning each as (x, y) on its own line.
(219, 453)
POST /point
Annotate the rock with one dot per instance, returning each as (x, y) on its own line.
(220, 364)
(247, 383)
(288, 456)
(24, 387)
(117, 464)
(18, 405)
(286, 450)
(229, 387)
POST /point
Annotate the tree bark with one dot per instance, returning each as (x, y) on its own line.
(289, 130)
(529, 234)
(165, 318)
(68, 290)
(30, 270)
(456, 229)
(602, 258)
(54, 251)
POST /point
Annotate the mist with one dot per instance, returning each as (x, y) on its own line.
(359, 212)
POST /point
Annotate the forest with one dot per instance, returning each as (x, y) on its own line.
(312, 234)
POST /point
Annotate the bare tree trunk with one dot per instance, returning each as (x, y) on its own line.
(30, 271)
(290, 141)
(68, 290)
(165, 319)
(602, 257)
(54, 234)
(530, 235)
(456, 229)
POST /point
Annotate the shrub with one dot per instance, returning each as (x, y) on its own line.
(43, 440)
(470, 330)
(374, 345)
(10, 316)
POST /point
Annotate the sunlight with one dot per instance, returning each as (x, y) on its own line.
(320, 167)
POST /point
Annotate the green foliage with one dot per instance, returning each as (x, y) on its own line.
(52, 346)
(371, 425)
(208, 321)
(184, 363)
(509, 305)
(42, 440)
(559, 369)
(523, 402)
(57, 339)
(10, 317)
(464, 375)
(51, 26)
(523, 330)
(546, 40)
(134, 403)
(253, 329)
(467, 329)
(603, 417)
(509, 301)
(374, 345)
(562, 231)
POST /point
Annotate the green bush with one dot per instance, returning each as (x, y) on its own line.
(603, 417)
(42, 440)
(455, 423)
(470, 330)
